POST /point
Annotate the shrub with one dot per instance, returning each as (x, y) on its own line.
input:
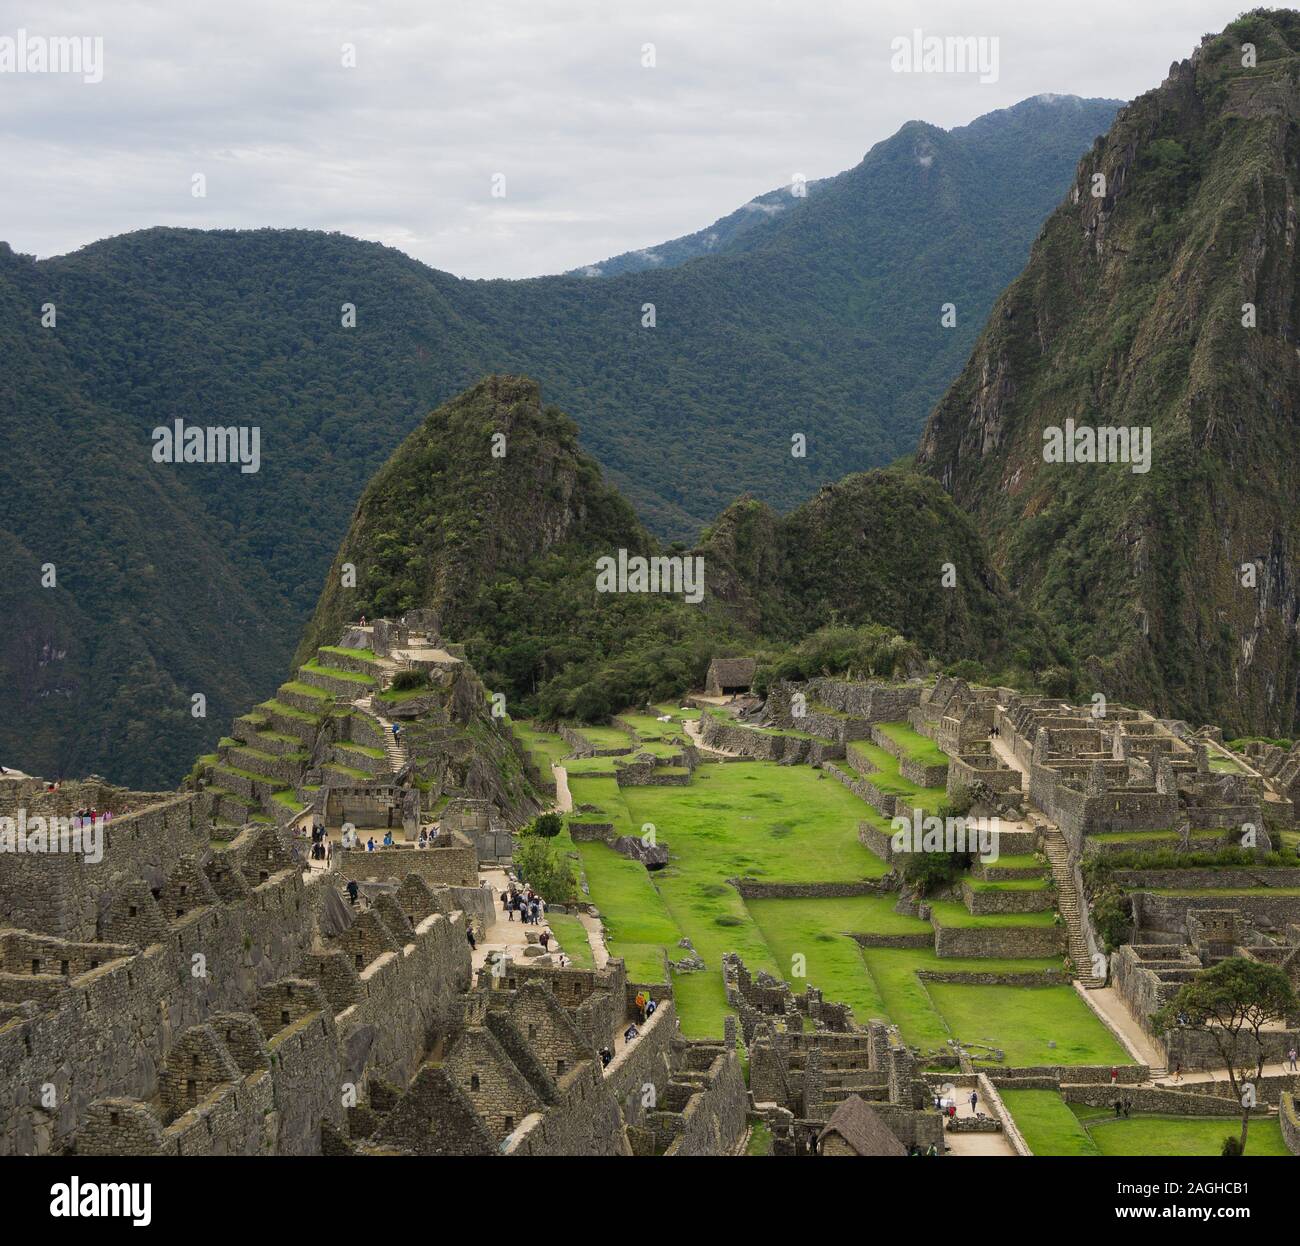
(545, 825)
(930, 871)
(540, 864)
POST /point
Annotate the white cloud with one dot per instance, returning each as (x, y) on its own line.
(600, 154)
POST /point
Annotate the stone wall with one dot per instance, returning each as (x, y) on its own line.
(1003, 942)
(1289, 1119)
(452, 867)
(61, 893)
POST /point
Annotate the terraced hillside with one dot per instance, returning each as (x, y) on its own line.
(775, 862)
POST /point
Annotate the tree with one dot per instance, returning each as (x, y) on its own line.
(546, 825)
(540, 864)
(1234, 998)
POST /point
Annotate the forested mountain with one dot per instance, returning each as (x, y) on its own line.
(181, 579)
(506, 548)
(1163, 295)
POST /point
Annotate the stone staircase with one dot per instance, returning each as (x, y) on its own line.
(1069, 903)
(394, 749)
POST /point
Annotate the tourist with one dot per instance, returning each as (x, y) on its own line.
(605, 1057)
(469, 937)
(352, 891)
(640, 1002)
(1178, 1071)
(544, 939)
(1119, 1109)
(1291, 1055)
(507, 903)
(388, 839)
(1114, 1075)
(974, 1099)
(650, 1009)
(370, 844)
(630, 1033)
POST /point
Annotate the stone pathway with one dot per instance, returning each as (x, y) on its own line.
(692, 727)
(1107, 1003)
(596, 938)
(563, 797)
(976, 1144)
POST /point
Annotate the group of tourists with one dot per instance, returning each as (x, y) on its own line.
(88, 816)
(526, 902)
(645, 1005)
(321, 848)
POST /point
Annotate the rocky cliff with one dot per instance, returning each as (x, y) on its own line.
(1160, 302)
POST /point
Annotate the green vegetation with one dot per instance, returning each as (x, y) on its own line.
(1052, 1127)
(919, 748)
(572, 935)
(1158, 312)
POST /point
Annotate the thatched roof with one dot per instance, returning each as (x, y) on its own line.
(732, 672)
(861, 1129)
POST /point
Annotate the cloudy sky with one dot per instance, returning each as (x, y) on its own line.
(600, 153)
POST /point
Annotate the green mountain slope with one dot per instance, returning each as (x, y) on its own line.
(1130, 314)
(830, 327)
(506, 550)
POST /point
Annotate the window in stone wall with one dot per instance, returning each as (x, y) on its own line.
(509, 1124)
(473, 1081)
(532, 1031)
(559, 1068)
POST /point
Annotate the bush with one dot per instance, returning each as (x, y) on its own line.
(545, 825)
(1112, 915)
(540, 864)
(930, 871)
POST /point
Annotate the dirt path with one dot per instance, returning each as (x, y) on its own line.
(692, 727)
(1107, 1003)
(975, 1144)
(563, 797)
(596, 938)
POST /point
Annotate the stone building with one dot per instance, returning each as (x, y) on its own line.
(728, 677)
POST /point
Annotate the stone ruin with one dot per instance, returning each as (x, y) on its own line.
(807, 1056)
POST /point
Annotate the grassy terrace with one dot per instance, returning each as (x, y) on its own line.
(545, 746)
(950, 913)
(307, 690)
(918, 747)
(1053, 1127)
(881, 768)
(361, 655)
(337, 672)
(786, 824)
(572, 935)
(605, 737)
(683, 713)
